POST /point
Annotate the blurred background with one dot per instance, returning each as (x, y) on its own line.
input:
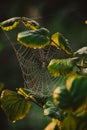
(65, 16)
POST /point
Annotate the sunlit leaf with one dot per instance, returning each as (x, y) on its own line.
(34, 38)
(60, 42)
(69, 123)
(59, 67)
(14, 105)
(10, 23)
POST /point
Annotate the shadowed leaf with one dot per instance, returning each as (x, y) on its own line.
(77, 87)
(69, 123)
(15, 106)
(1, 86)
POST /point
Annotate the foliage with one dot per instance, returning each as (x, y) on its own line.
(67, 106)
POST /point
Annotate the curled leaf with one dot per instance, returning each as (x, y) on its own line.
(10, 24)
(34, 98)
(60, 42)
(31, 24)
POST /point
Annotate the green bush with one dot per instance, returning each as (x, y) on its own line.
(66, 103)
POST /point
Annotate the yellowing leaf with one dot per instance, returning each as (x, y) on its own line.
(56, 93)
(14, 105)
(53, 125)
(10, 23)
(60, 42)
(70, 79)
(77, 89)
(58, 67)
(31, 24)
(23, 93)
(34, 98)
(34, 38)
(62, 98)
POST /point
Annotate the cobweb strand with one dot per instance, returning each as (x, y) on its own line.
(33, 63)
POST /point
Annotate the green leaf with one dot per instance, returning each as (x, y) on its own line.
(34, 38)
(60, 42)
(49, 109)
(77, 90)
(10, 24)
(73, 95)
(62, 98)
(59, 67)
(14, 105)
(53, 111)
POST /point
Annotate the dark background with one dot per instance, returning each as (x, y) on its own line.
(65, 16)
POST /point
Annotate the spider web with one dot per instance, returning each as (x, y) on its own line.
(33, 63)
